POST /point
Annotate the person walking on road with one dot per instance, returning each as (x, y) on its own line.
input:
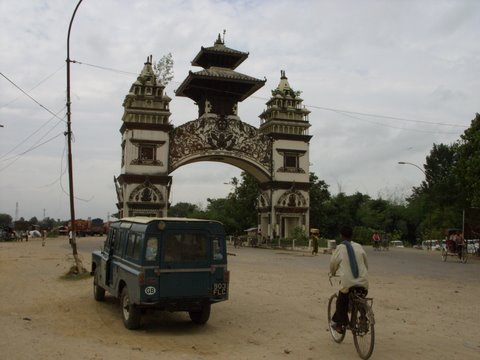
(315, 233)
(44, 237)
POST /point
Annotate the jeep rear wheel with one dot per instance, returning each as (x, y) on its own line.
(131, 314)
(200, 316)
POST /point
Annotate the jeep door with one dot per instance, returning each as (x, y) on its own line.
(106, 260)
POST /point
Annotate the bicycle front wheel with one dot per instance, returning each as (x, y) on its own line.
(363, 329)
(332, 305)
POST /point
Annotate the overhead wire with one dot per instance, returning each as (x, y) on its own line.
(338, 111)
(63, 169)
(28, 137)
(104, 68)
(35, 86)
(16, 157)
(349, 114)
(29, 96)
(396, 127)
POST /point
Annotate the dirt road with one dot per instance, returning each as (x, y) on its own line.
(277, 310)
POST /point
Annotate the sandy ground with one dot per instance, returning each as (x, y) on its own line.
(277, 310)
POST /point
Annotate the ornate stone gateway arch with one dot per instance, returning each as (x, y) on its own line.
(226, 140)
(276, 153)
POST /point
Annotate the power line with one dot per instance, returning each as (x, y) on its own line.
(338, 111)
(104, 68)
(34, 87)
(63, 169)
(28, 137)
(30, 97)
(396, 127)
(17, 157)
(383, 116)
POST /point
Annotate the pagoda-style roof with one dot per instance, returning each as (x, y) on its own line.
(219, 80)
(218, 87)
(219, 55)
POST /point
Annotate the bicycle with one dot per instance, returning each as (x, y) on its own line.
(361, 321)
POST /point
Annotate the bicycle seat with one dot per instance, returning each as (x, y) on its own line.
(359, 291)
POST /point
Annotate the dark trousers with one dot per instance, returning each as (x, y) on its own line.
(341, 310)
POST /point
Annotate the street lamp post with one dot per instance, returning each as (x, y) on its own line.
(424, 173)
(409, 163)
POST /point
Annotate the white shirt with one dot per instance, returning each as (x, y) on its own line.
(340, 265)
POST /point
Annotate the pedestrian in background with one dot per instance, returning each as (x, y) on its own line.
(44, 237)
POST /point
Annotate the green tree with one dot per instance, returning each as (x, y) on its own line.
(183, 209)
(223, 210)
(319, 196)
(439, 194)
(5, 220)
(164, 69)
(244, 199)
(468, 165)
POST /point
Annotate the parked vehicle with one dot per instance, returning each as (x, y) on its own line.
(431, 245)
(81, 227)
(88, 227)
(96, 227)
(473, 246)
(396, 243)
(167, 264)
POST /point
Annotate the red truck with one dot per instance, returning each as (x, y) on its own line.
(88, 227)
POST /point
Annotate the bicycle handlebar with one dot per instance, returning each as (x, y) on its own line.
(330, 276)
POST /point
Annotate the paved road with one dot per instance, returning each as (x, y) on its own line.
(423, 263)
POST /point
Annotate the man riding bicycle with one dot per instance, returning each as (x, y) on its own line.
(349, 260)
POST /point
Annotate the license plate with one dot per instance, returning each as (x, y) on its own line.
(220, 289)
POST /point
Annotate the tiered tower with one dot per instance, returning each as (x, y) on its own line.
(284, 202)
(143, 185)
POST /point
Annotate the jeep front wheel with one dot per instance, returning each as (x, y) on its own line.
(131, 314)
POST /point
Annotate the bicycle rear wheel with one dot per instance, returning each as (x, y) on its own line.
(332, 305)
(363, 329)
(444, 255)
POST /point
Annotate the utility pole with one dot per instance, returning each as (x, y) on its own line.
(73, 242)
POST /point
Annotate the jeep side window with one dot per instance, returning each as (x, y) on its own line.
(109, 243)
(118, 243)
(133, 246)
(151, 249)
(217, 250)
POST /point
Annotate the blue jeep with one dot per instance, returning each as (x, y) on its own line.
(171, 264)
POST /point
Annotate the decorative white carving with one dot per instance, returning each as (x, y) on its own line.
(146, 193)
(292, 198)
(213, 135)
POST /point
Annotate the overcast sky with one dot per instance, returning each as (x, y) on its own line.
(415, 65)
